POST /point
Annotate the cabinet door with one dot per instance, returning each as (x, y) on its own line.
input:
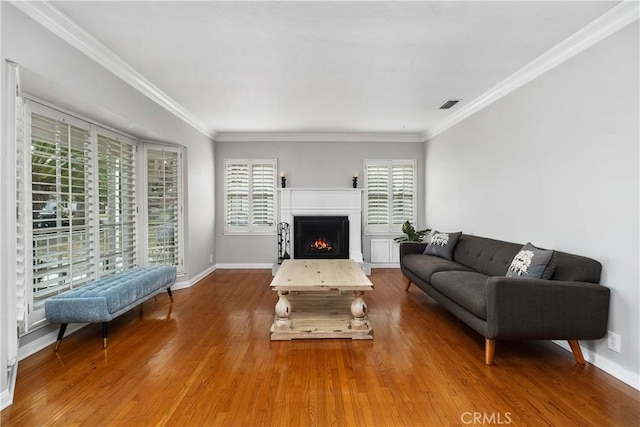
(380, 251)
(394, 256)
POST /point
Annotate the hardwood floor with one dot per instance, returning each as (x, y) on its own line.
(207, 360)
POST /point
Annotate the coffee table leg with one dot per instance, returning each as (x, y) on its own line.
(283, 310)
(359, 311)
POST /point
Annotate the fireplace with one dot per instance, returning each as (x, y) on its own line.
(321, 237)
(346, 202)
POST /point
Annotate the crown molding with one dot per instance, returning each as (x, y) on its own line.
(609, 23)
(55, 21)
(320, 137)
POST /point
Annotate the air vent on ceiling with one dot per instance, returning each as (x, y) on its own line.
(449, 104)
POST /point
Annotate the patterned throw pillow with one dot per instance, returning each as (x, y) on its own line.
(442, 244)
(533, 263)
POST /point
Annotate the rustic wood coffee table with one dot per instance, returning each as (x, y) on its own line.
(320, 299)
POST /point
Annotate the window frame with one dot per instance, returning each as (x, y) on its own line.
(389, 227)
(250, 228)
(127, 185)
(143, 232)
(35, 318)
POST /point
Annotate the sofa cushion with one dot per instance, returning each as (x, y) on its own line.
(442, 244)
(533, 263)
(425, 265)
(467, 288)
(484, 255)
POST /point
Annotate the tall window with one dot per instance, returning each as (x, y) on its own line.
(164, 206)
(250, 194)
(61, 207)
(390, 194)
(116, 202)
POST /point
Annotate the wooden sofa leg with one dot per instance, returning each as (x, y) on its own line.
(407, 282)
(489, 351)
(577, 351)
(170, 294)
(105, 334)
(63, 327)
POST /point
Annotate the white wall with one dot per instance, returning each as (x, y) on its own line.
(74, 78)
(308, 165)
(557, 163)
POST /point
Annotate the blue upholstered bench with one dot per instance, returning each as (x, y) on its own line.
(107, 298)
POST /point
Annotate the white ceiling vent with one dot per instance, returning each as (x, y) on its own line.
(450, 103)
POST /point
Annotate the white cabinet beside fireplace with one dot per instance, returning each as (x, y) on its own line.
(385, 252)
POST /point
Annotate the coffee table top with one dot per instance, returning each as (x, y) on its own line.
(320, 275)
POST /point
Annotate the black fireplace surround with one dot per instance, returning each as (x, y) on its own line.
(321, 237)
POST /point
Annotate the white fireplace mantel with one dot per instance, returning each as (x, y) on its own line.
(326, 201)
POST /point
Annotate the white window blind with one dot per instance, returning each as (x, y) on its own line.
(21, 221)
(402, 190)
(164, 206)
(377, 187)
(250, 194)
(390, 194)
(62, 180)
(116, 202)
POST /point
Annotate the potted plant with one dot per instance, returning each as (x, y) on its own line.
(411, 235)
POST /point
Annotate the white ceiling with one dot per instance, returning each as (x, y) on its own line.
(279, 66)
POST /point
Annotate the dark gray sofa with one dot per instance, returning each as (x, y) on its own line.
(570, 306)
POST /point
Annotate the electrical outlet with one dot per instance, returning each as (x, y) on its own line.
(210, 258)
(613, 341)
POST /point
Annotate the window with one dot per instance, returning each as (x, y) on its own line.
(61, 206)
(163, 176)
(116, 202)
(250, 194)
(389, 194)
(77, 205)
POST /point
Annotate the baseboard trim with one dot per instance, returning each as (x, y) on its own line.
(6, 397)
(615, 370)
(189, 283)
(45, 341)
(240, 266)
(385, 265)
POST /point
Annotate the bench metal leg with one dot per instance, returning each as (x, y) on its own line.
(170, 295)
(105, 334)
(63, 327)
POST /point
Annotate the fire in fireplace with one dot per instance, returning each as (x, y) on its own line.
(321, 245)
(321, 237)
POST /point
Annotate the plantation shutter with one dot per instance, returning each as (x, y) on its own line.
(389, 194)
(116, 202)
(164, 207)
(377, 185)
(250, 192)
(21, 197)
(237, 187)
(402, 184)
(62, 211)
(263, 183)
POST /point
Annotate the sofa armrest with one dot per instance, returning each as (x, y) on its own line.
(407, 248)
(546, 309)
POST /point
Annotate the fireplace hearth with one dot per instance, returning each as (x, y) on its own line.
(321, 237)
